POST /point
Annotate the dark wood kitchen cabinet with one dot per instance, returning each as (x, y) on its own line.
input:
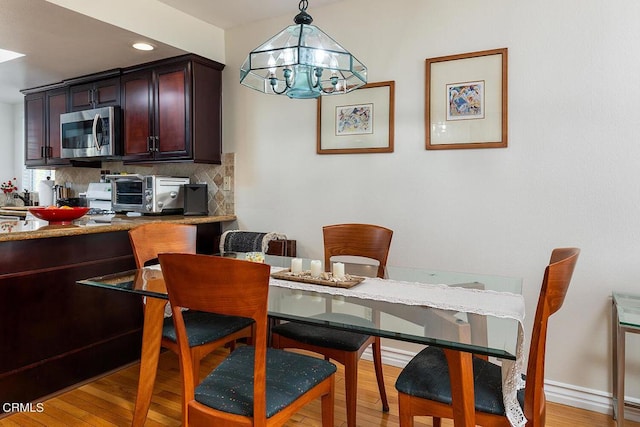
(42, 127)
(102, 93)
(172, 111)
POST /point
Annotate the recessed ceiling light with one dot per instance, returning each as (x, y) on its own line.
(143, 46)
(7, 55)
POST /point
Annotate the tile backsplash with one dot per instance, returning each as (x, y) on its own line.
(221, 201)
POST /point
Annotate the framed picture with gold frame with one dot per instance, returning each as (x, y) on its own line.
(361, 121)
(466, 100)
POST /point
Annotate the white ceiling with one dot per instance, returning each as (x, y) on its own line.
(231, 13)
(60, 44)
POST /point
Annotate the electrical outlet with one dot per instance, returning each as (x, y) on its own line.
(226, 183)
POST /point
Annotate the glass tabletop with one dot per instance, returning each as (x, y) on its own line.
(480, 334)
(628, 306)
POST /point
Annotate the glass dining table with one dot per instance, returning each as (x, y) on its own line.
(463, 313)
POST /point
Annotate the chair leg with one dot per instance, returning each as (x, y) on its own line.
(405, 417)
(377, 363)
(437, 422)
(328, 406)
(351, 386)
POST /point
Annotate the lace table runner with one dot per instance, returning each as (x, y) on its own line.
(477, 301)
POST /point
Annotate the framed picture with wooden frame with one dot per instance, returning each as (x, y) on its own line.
(466, 100)
(361, 121)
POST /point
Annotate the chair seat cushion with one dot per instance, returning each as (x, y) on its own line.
(229, 387)
(326, 337)
(427, 376)
(205, 327)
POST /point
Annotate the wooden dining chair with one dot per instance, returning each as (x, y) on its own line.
(424, 388)
(362, 240)
(206, 332)
(253, 385)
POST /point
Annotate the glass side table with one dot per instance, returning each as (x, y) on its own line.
(625, 318)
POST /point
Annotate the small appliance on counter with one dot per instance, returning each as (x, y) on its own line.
(196, 200)
(147, 194)
(99, 196)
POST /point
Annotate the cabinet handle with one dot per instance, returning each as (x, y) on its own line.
(42, 152)
(89, 96)
(156, 146)
(149, 143)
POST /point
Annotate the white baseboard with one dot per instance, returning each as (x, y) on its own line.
(557, 392)
(586, 398)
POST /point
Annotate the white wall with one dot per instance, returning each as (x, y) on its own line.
(18, 141)
(568, 178)
(7, 146)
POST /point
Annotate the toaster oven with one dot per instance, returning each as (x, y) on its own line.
(147, 194)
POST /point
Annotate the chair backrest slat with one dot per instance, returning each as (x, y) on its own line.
(557, 277)
(364, 240)
(149, 240)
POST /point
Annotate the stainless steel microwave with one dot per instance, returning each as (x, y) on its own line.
(90, 133)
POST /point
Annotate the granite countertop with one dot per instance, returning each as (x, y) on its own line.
(39, 229)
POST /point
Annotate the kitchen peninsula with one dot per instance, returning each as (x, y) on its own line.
(54, 333)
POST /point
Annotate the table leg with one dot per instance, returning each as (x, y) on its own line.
(151, 339)
(461, 377)
(618, 341)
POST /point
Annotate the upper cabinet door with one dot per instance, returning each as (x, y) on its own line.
(103, 93)
(172, 113)
(34, 129)
(137, 107)
(56, 105)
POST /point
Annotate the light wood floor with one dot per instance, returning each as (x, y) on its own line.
(108, 401)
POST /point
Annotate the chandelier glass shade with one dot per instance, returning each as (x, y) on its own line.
(301, 62)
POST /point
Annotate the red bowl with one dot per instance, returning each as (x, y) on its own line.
(58, 215)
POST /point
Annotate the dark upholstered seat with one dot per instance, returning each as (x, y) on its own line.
(427, 376)
(229, 387)
(326, 337)
(205, 327)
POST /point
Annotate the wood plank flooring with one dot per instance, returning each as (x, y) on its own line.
(108, 401)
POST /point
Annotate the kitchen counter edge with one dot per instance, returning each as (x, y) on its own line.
(120, 223)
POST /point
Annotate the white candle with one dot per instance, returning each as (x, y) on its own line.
(316, 268)
(296, 265)
(338, 270)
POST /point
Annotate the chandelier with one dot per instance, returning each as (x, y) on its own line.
(302, 62)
